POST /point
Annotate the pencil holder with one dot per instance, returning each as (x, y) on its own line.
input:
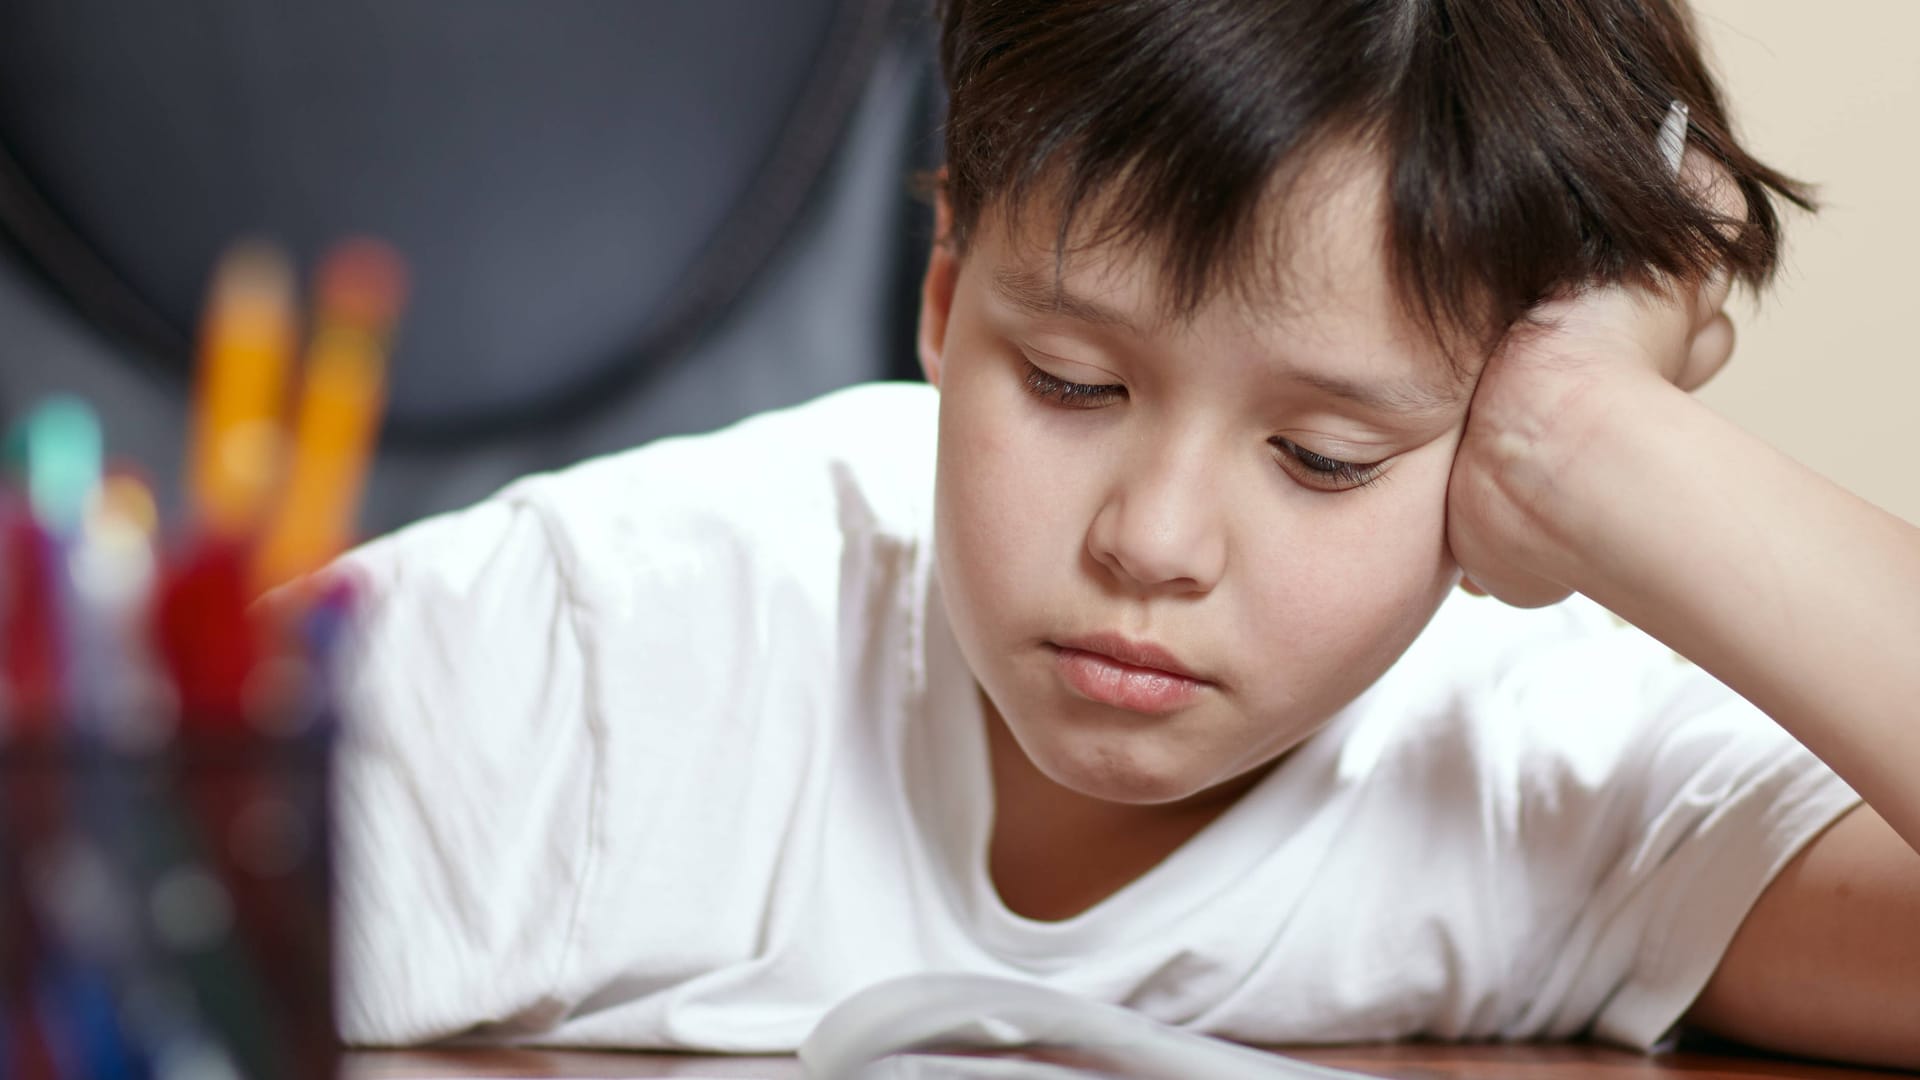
(167, 910)
(166, 719)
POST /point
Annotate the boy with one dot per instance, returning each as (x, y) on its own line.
(1253, 325)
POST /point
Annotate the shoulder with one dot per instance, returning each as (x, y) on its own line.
(682, 563)
(1572, 730)
(774, 486)
(1506, 684)
(1558, 741)
(774, 491)
(882, 433)
(1619, 805)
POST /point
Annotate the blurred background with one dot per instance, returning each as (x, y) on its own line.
(1828, 367)
(629, 220)
(624, 220)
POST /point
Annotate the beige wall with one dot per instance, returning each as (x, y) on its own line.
(1828, 367)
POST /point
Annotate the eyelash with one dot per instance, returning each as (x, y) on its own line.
(1322, 472)
(1073, 395)
(1328, 474)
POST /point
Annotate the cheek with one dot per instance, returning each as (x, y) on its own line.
(1005, 524)
(1355, 583)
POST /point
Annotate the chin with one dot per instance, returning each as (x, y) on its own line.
(1128, 769)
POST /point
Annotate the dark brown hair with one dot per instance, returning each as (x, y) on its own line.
(1518, 136)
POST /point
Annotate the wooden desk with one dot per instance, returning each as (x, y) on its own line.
(1403, 1062)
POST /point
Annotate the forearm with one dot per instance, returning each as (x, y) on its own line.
(1800, 596)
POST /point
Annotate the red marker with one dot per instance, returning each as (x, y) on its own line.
(208, 642)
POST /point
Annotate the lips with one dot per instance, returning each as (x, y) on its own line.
(1136, 676)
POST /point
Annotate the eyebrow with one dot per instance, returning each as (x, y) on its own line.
(1389, 398)
(1037, 295)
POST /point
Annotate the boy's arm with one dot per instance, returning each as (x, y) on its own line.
(1825, 963)
(1586, 467)
(1800, 596)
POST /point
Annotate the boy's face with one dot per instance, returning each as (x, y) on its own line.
(1194, 503)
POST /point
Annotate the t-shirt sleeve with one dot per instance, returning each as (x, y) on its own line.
(1647, 848)
(464, 779)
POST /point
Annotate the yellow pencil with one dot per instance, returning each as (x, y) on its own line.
(246, 349)
(358, 295)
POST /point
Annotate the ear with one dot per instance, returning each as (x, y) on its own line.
(936, 290)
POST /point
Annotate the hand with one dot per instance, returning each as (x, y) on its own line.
(1569, 362)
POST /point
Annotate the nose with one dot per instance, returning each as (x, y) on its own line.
(1162, 525)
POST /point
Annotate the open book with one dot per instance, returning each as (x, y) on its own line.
(936, 1027)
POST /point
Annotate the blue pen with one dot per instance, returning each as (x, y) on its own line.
(97, 1047)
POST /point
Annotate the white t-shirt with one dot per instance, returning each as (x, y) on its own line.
(675, 749)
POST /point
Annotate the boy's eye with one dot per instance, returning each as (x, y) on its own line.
(1072, 395)
(1314, 470)
(1320, 471)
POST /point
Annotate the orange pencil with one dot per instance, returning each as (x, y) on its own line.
(360, 288)
(247, 343)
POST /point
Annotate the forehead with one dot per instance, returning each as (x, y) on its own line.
(1314, 295)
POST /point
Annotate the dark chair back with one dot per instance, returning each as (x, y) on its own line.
(624, 219)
